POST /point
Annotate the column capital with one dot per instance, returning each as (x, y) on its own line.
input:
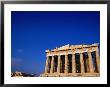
(97, 49)
(66, 54)
(73, 53)
(81, 52)
(58, 55)
(89, 51)
(53, 56)
(47, 56)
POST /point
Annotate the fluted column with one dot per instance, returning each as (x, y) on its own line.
(73, 64)
(52, 65)
(87, 64)
(66, 63)
(82, 63)
(46, 66)
(58, 68)
(98, 60)
(91, 68)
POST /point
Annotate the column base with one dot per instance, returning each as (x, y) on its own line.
(70, 75)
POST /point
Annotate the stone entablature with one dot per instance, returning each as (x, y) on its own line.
(73, 60)
(72, 49)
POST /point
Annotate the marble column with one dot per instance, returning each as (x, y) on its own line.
(66, 63)
(82, 63)
(52, 65)
(91, 67)
(58, 67)
(46, 66)
(98, 60)
(73, 64)
(87, 64)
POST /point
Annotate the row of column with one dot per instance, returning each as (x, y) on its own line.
(91, 67)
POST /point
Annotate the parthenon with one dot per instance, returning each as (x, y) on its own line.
(73, 60)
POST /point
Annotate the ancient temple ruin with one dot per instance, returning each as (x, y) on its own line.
(72, 60)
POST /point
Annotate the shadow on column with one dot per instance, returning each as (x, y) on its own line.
(94, 61)
(78, 65)
(69, 63)
(55, 63)
(49, 64)
(62, 64)
(86, 62)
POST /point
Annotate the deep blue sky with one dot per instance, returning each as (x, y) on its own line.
(33, 32)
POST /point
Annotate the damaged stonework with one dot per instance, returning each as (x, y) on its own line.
(73, 61)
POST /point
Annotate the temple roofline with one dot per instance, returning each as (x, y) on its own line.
(68, 46)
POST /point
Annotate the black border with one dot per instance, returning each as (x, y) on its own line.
(2, 44)
(45, 2)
